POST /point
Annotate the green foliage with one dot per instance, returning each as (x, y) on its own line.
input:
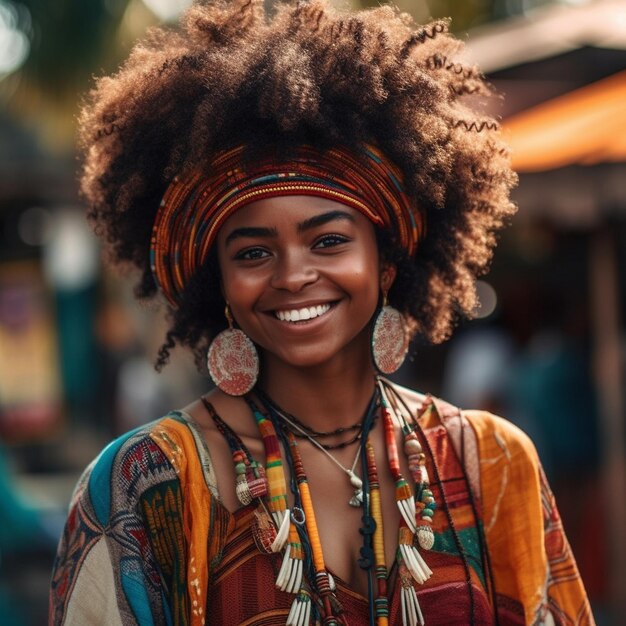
(70, 39)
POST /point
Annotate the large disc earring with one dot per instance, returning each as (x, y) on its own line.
(390, 341)
(232, 360)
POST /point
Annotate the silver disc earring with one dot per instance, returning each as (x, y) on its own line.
(232, 360)
(390, 341)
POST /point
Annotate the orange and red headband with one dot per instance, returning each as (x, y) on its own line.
(195, 206)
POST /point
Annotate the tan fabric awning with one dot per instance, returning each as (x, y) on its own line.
(585, 126)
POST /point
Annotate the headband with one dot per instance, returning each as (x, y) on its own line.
(196, 205)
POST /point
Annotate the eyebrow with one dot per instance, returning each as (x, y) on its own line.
(308, 224)
(250, 231)
(324, 218)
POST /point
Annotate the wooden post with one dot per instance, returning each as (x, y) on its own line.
(608, 370)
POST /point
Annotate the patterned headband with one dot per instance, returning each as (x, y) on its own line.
(195, 206)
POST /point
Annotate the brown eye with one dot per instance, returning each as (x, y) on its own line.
(329, 241)
(251, 254)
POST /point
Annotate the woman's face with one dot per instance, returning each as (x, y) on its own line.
(302, 277)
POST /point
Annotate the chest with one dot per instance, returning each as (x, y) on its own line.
(340, 525)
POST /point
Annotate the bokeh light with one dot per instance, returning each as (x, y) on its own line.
(14, 44)
(487, 300)
(167, 10)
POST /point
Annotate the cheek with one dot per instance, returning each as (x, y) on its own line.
(240, 288)
(360, 277)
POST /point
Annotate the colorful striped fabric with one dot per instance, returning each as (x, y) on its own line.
(243, 592)
(147, 541)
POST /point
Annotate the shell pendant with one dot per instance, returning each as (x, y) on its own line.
(357, 497)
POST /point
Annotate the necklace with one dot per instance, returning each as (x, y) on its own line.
(321, 587)
(328, 446)
(297, 573)
(311, 432)
(295, 533)
(411, 565)
(357, 498)
(302, 431)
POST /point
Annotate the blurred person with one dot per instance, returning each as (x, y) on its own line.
(131, 392)
(477, 367)
(550, 393)
(306, 190)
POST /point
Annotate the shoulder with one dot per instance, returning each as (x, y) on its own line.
(496, 433)
(488, 428)
(127, 467)
(110, 522)
(413, 399)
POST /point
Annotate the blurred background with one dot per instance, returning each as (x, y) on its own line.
(546, 349)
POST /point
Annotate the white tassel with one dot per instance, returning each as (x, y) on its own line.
(285, 568)
(411, 611)
(294, 613)
(420, 616)
(407, 509)
(405, 621)
(282, 521)
(300, 612)
(295, 580)
(415, 563)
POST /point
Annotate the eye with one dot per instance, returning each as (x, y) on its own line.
(329, 241)
(251, 254)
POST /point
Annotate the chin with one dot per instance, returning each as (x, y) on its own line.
(318, 356)
(304, 359)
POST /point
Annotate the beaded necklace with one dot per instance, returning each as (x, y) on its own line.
(275, 528)
(410, 563)
(289, 422)
(457, 540)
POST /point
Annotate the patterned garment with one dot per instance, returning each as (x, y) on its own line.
(246, 573)
(147, 542)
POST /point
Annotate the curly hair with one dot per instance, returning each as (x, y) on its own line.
(233, 73)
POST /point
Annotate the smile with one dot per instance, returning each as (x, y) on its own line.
(306, 313)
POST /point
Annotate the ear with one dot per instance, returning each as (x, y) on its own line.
(388, 272)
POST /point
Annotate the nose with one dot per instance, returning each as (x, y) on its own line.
(293, 271)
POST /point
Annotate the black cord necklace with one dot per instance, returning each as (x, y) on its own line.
(303, 431)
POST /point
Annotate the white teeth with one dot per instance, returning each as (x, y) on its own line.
(306, 313)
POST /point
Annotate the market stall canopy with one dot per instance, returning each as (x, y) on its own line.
(547, 32)
(586, 126)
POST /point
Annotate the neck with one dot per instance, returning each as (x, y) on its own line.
(322, 397)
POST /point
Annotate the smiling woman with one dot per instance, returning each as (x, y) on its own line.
(306, 190)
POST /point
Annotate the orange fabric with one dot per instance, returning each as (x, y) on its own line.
(530, 557)
(201, 519)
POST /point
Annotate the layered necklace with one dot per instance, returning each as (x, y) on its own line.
(294, 532)
(298, 429)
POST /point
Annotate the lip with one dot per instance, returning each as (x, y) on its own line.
(289, 306)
